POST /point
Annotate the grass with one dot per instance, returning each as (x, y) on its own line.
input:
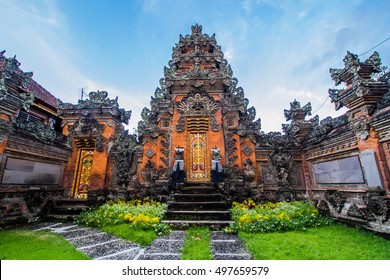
(336, 242)
(33, 245)
(142, 237)
(197, 244)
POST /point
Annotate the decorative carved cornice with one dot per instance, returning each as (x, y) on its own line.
(96, 101)
(22, 145)
(343, 143)
(323, 128)
(39, 130)
(89, 128)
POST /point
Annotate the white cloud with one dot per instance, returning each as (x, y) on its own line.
(278, 50)
(47, 13)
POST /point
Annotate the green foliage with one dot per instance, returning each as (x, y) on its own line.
(140, 214)
(269, 217)
(334, 242)
(197, 244)
(36, 245)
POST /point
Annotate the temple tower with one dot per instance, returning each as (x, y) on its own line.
(198, 107)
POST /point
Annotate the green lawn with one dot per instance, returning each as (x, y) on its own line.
(140, 236)
(336, 242)
(36, 245)
(197, 244)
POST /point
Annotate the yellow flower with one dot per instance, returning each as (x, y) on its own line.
(245, 219)
(283, 216)
(128, 217)
(259, 217)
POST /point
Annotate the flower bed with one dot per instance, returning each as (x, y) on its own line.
(141, 214)
(281, 216)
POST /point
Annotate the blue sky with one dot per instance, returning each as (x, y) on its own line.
(278, 50)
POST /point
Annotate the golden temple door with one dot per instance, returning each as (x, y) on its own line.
(198, 162)
(82, 178)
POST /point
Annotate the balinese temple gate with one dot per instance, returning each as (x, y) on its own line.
(198, 107)
(199, 122)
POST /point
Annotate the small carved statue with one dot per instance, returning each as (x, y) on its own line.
(283, 163)
(249, 171)
(178, 173)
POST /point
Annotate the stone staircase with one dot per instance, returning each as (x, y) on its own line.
(197, 205)
(66, 209)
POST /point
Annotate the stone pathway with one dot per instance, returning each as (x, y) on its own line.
(103, 246)
(165, 248)
(228, 247)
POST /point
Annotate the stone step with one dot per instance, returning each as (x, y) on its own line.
(197, 215)
(198, 190)
(198, 197)
(61, 217)
(207, 205)
(185, 224)
(66, 209)
(70, 201)
(69, 208)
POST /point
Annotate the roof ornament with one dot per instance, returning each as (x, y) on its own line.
(196, 29)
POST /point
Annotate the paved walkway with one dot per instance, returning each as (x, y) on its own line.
(103, 246)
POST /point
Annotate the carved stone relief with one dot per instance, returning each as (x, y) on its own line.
(125, 161)
(336, 199)
(150, 153)
(89, 128)
(269, 176)
(198, 103)
(249, 171)
(5, 129)
(247, 150)
(149, 172)
(282, 163)
(360, 126)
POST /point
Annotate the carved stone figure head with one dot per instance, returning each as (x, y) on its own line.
(179, 153)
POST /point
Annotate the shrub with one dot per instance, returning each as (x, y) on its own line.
(143, 214)
(281, 216)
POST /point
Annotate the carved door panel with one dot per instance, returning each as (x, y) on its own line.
(198, 167)
(82, 178)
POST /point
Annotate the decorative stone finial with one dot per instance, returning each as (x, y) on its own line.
(196, 29)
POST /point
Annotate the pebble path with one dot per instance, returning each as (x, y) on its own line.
(103, 246)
